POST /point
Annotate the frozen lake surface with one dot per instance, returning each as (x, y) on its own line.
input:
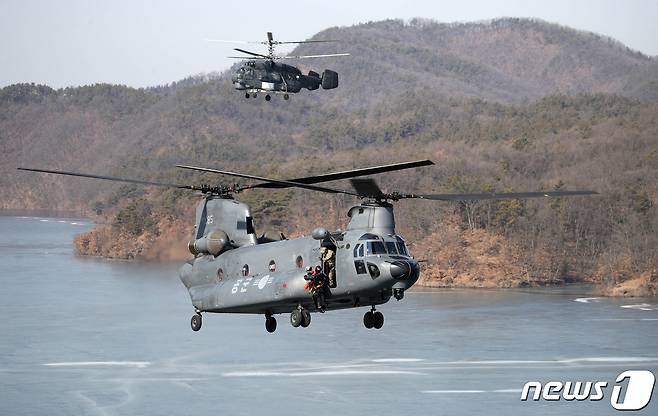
(96, 337)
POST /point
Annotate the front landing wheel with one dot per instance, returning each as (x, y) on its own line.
(196, 322)
(296, 318)
(306, 318)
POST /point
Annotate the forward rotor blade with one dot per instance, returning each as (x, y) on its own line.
(275, 181)
(251, 53)
(115, 179)
(349, 173)
(502, 195)
(311, 56)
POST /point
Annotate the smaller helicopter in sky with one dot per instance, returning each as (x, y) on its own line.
(261, 73)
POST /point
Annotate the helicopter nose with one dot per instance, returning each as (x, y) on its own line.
(400, 270)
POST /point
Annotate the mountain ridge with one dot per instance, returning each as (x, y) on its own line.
(490, 120)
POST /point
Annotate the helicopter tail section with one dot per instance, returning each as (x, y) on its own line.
(329, 79)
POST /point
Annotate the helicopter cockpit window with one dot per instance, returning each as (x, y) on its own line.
(390, 247)
(376, 247)
(360, 250)
(402, 249)
(245, 270)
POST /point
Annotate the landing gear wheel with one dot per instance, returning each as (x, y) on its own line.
(369, 320)
(378, 320)
(296, 318)
(306, 318)
(270, 324)
(246, 95)
(196, 322)
(286, 97)
(267, 97)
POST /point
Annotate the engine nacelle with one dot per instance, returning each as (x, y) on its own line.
(213, 243)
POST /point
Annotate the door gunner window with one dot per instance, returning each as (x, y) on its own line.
(376, 247)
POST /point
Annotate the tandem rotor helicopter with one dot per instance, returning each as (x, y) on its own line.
(236, 271)
(261, 73)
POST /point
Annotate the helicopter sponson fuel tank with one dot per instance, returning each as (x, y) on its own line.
(236, 271)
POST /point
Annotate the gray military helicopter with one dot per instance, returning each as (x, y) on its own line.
(236, 271)
(261, 73)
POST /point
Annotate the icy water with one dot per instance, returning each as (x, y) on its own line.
(86, 336)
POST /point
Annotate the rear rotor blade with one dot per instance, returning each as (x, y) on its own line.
(115, 179)
(367, 188)
(492, 195)
(275, 181)
(349, 173)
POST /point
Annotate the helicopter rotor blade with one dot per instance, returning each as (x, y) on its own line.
(367, 188)
(275, 181)
(250, 58)
(349, 174)
(251, 53)
(311, 56)
(494, 195)
(232, 41)
(306, 41)
(115, 179)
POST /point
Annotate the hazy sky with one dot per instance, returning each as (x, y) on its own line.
(145, 43)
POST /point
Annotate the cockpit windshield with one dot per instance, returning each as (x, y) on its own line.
(376, 247)
(402, 249)
(390, 247)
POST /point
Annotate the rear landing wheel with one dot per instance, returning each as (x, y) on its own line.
(196, 322)
(306, 318)
(267, 97)
(369, 320)
(270, 324)
(296, 318)
(378, 320)
(286, 97)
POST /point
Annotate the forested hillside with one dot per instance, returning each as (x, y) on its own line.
(507, 105)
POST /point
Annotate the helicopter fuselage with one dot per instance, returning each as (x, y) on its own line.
(277, 78)
(371, 264)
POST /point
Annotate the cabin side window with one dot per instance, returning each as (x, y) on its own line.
(245, 270)
(272, 266)
(299, 262)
